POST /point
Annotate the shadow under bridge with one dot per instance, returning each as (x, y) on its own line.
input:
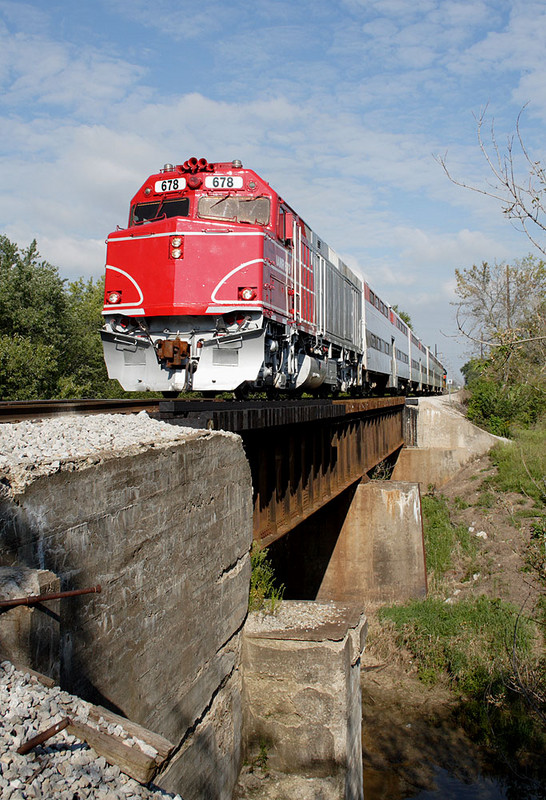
(302, 453)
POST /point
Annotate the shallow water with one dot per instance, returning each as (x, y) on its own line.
(448, 787)
(379, 785)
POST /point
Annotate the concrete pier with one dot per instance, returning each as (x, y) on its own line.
(301, 676)
(379, 555)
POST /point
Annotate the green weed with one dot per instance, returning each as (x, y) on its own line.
(460, 504)
(521, 466)
(264, 594)
(535, 556)
(485, 500)
(443, 540)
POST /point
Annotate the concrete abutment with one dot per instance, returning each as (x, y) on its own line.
(167, 534)
(441, 440)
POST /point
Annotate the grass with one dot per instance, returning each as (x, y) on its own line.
(521, 466)
(468, 642)
(443, 540)
(264, 594)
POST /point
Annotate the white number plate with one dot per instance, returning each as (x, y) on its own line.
(223, 182)
(170, 185)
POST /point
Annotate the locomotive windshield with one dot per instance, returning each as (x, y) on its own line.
(146, 212)
(237, 209)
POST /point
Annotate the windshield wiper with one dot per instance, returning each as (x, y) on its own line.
(221, 200)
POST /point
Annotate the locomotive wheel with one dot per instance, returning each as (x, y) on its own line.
(242, 392)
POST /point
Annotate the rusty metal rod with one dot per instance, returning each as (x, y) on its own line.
(31, 600)
(40, 738)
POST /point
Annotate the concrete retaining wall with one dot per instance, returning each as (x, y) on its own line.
(446, 441)
(167, 534)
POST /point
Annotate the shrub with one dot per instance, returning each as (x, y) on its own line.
(264, 595)
(499, 407)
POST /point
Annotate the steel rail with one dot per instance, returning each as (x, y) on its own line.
(20, 410)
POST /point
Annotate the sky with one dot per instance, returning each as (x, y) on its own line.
(342, 105)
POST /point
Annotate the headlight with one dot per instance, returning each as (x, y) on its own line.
(247, 293)
(176, 246)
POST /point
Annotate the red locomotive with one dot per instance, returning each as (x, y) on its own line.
(218, 285)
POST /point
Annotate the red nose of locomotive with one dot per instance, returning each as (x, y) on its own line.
(191, 256)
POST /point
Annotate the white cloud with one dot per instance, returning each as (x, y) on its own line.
(426, 249)
(42, 75)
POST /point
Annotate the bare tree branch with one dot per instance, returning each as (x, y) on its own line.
(522, 199)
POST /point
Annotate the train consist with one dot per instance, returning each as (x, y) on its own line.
(218, 285)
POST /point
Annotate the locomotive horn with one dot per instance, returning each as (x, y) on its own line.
(203, 163)
(193, 163)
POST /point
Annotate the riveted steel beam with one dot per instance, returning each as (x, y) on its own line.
(296, 469)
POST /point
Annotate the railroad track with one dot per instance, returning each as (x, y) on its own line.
(19, 410)
(214, 414)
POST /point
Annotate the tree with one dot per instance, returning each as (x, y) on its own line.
(49, 330)
(32, 295)
(404, 316)
(502, 304)
(32, 330)
(521, 193)
(85, 372)
(472, 370)
(501, 309)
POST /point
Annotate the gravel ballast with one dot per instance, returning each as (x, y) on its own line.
(63, 767)
(31, 449)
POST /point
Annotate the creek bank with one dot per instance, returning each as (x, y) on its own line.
(410, 730)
